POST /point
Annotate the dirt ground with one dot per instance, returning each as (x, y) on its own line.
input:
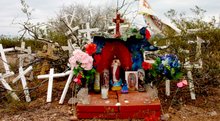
(39, 110)
(204, 108)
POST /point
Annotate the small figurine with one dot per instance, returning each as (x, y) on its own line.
(124, 88)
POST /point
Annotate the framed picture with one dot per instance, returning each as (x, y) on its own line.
(131, 78)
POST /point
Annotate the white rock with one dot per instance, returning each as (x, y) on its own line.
(213, 113)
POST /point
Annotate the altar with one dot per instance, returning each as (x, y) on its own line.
(134, 105)
(117, 70)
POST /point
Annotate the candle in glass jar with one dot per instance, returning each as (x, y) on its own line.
(104, 92)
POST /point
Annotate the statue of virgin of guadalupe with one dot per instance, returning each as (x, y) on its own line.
(116, 80)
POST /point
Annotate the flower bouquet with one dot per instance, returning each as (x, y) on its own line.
(82, 65)
(167, 66)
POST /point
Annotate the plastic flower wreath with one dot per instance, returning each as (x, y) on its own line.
(167, 66)
(82, 65)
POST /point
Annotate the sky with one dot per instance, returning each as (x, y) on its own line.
(11, 14)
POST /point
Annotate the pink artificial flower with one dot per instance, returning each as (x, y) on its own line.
(183, 83)
(77, 80)
(72, 62)
(180, 85)
(81, 57)
(87, 66)
(87, 63)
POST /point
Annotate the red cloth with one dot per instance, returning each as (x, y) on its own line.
(112, 49)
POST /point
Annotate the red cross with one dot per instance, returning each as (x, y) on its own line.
(117, 21)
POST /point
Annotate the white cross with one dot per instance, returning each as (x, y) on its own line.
(190, 66)
(3, 57)
(198, 58)
(69, 23)
(23, 56)
(71, 47)
(8, 87)
(51, 75)
(88, 31)
(69, 80)
(22, 48)
(71, 30)
(23, 81)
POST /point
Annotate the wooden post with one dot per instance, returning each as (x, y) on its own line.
(168, 87)
(8, 87)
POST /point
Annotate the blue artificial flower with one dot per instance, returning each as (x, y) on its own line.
(165, 72)
(161, 67)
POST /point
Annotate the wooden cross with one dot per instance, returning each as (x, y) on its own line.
(23, 81)
(117, 21)
(4, 60)
(190, 66)
(51, 75)
(198, 58)
(47, 53)
(8, 87)
(88, 31)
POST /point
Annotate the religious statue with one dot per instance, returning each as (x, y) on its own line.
(141, 81)
(116, 80)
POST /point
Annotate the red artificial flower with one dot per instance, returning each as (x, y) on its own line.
(147, 34)
(146, 66)
(90, 48)
(79, 76)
